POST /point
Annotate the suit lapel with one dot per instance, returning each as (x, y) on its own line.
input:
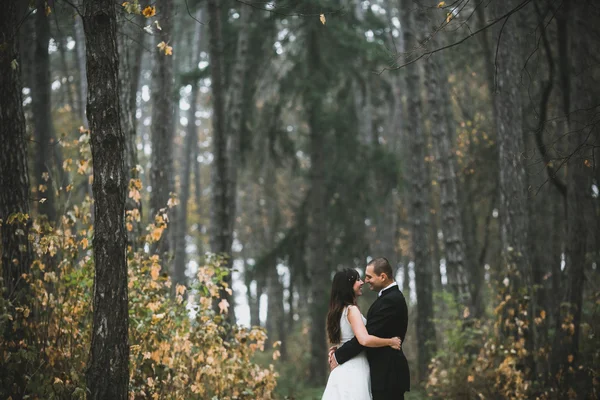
(372, 308)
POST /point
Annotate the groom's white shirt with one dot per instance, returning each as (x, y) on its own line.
(387, 287)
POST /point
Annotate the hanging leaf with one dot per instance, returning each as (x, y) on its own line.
(168, 50)
(322, 18)
(149, 12)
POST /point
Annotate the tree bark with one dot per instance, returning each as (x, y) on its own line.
(161, 159)
(441, 138)
(16, 254)
(419, 202)
(42, 115)
(108, 372)
(509, 123)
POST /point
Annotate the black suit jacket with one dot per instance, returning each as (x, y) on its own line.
(387, 317)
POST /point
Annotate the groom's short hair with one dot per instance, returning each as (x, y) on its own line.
(382, 266)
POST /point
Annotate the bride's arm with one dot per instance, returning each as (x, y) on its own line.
(363, 337)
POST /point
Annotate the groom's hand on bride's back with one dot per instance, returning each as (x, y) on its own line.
(332, 361)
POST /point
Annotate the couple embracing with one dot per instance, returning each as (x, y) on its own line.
(366, 360)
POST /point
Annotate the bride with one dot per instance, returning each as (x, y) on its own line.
(351, 380)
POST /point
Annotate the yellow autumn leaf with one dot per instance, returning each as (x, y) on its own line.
(470, 378)
(543, 314)
(149, 12)
(48, 10)
(154, 271)
(441, 4)
(322, 19)
(135, 195)
(84, 243)
(168, 50)
(570, 358)
(448, 17)
(180, 289)
(156, 234)
(276, 354)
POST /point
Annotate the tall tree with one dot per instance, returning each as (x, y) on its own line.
(582, 122)
(191, 143)
(42, 113)
(441, 139)
(222, 217)
(15, 249)
(108, 372)
(419, 200)
(509, 130)
(161, 174)
(234, 107)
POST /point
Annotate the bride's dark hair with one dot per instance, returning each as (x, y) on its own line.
(342, 295)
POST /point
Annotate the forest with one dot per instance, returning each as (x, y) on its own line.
(181, 179)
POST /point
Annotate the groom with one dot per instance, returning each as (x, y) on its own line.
(387, 317)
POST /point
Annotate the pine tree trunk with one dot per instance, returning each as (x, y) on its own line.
(161, 160)
(108, 372)
(582, 129)
(42, 114)
(509, 123)
(221, 236)
(454, 243)
(419, 203)
(317, 205)
(16, 252)
(191, 142)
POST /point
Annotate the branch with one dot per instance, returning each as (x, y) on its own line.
(187, 7)
(464, 39)
(547, 91)
(274, 11)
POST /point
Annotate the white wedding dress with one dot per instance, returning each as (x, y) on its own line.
(352, 379)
